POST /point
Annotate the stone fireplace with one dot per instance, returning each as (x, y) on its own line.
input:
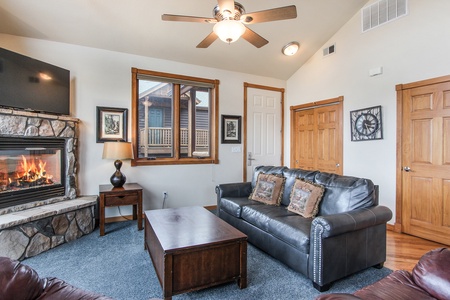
(39, 206)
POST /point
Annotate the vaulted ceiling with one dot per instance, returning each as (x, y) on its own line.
(135, 26)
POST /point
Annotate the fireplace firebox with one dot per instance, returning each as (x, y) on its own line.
(31, 169)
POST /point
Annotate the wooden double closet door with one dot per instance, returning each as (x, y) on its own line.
(423, 159)
(316, 136)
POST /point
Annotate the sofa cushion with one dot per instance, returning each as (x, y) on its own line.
(291, 229)
(260, 215)
(432, 274)
(268, 189)
(344, 193)
(233, 206)
(305, 198)
(291, 175)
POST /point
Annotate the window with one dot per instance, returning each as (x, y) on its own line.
(174, 119)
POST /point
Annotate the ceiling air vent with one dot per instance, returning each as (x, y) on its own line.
(382, 12)
(329, 50)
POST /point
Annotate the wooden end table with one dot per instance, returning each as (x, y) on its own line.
(129, 194)
(192, 249)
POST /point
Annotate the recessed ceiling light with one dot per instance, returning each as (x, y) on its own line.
(290, 48)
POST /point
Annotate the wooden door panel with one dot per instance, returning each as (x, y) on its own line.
(422, 189)
(421, 135)
(327, 126)
(446, 144)
(425, 150)
(317, 136)
(305, 147)
(446, 203)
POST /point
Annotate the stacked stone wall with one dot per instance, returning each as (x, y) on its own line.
(32, 238)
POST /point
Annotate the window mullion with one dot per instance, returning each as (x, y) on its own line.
(176, 121)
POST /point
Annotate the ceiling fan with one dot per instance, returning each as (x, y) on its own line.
(230, 20)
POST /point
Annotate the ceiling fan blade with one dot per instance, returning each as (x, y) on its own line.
(180, 18)
(275, 14)
(226, 5)
(254, 38)
(208, 40)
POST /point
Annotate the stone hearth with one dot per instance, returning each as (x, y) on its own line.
(29, 232)
(32, 228)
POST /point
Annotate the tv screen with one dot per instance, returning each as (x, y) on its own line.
(33, 85)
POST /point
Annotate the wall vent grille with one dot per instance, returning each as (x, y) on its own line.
(381, 12)
(329, 50)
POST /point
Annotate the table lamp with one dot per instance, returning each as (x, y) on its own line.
(117, 151)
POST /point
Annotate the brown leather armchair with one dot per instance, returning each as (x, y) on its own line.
(21, 282)
(430, 279)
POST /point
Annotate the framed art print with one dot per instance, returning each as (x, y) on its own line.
(111, 124)
(366, 124)
(231, 129)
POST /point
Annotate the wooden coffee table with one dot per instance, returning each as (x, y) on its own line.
(191, 249)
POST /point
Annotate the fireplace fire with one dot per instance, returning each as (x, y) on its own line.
(27, 174)
(30, 170)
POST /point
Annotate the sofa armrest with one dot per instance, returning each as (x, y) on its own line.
(344, 243)
(332, 225)
(239, 189)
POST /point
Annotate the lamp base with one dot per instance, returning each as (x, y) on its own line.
(118, 179)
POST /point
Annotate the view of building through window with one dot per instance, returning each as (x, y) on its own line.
(173, 119)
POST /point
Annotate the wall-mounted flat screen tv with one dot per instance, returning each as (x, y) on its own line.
(30, 84)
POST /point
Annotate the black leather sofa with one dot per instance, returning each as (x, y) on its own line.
(347, 235)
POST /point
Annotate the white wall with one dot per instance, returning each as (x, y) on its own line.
(412, 48)
(103, 78)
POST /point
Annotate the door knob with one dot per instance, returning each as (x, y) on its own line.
(407, 169)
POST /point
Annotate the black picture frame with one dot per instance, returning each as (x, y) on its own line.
(366, 124)
(231, 129)
(112, 124)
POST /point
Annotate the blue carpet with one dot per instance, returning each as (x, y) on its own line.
(117, 265)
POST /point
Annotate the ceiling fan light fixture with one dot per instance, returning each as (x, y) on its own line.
(290, 48)
(229, 31)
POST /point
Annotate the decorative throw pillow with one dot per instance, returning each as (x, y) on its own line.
(305, 198)
(268, 189)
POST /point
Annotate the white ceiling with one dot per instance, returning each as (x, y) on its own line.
(135, 26)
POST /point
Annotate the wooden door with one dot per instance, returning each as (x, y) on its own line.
(425, 159)
(316, 136)
(263, 127)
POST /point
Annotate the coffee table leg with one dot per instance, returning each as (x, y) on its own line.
(242, 281)
(167, 277)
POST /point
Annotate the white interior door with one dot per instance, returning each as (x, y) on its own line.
(264, 129)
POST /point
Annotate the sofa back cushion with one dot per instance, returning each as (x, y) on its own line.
(266, 170)
(344, 193)
(432, 274)
(291, 175)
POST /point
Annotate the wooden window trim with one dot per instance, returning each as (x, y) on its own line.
(214, 121)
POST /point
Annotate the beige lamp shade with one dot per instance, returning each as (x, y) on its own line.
(117, 150)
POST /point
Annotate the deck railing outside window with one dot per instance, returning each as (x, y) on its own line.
(162, 137)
